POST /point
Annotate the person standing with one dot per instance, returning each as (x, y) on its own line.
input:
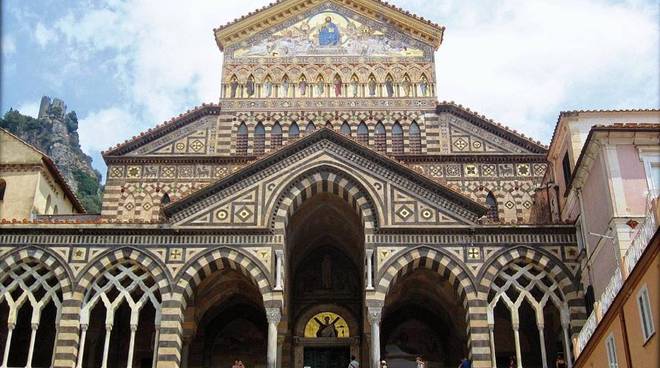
(420, 362)
(465, 363)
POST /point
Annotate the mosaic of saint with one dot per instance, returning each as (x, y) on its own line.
(330, 33)
(327, 324)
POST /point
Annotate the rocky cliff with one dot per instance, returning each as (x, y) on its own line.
(55, 132)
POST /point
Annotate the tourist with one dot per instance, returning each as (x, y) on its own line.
(465, 363)
(512, 362)
(420, 362)
(235, 364)
(383, 364)
(354, 363)
(560, 362)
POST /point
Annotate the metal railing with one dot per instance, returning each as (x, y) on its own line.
(585, 333)
(643, 235)
(611, 291)
(644, 232)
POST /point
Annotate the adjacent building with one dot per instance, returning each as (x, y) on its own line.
(30, 183)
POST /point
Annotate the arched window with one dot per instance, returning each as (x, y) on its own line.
(276, 136)
(242, 140)
(310, 128)
(3, 187)
(381, 138)
(345, 129)
(491, 203)
(363, 133)
(415, 137)
(123, 298)
(165, 200)
(31, 302)
(397, 139)
(259, 139)
(294, 131)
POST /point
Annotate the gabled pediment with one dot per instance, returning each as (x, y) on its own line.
(466, 132)
(368, 18)
(191, 133)
(395, 195)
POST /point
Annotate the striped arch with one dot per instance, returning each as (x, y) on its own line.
(548, 263)
(433, 259)
(53, 261)
(207, 263)
(324, 179)
(107, 260)
(451, 269)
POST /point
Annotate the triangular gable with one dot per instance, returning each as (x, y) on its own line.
(403, 198)
(468, 132)
(188, 133)
(273, 15)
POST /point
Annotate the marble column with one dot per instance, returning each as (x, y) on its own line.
(516, 338)
(565, 326)
(279, 256)
(370, 269)
(491, 336)
(544, 356)
(273, 315)
(374, 314)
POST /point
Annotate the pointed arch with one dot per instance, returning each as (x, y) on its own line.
(414, 138)
(125, 288)
(202, 265)
(242, 139)
(259, 139)
(165, 199)
(397, 139)
(345, 129)
(363, 133)
(491, 203)
(276, 136)
(372, 85)
(529, 277)
(380, 138)
(294, 131)
(310, 128)
(330, 180)
(328, 125)
(434, 259)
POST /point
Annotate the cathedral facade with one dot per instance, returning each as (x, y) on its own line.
(329, 206)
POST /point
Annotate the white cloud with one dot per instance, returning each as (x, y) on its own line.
(29, 108)
(8, 45)
(43, 35)
(99, 130)
(517, 61)
(522, 62)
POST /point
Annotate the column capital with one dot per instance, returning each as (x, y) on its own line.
(273, 315)
(374, 314)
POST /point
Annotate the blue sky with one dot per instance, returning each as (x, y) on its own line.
(127, 65)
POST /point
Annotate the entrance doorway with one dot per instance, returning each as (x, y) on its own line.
(325, 248)
(327, 357)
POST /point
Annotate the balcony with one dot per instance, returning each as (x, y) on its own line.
(641, 239)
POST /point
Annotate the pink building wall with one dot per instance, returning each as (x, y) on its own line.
(597, 202)
(634, 179)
